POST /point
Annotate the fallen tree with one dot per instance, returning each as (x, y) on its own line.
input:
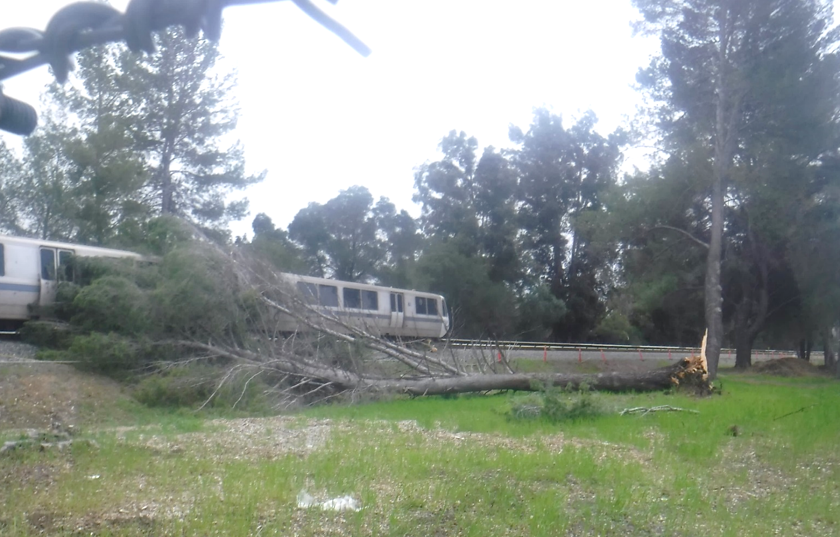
(204, 304)
(422, 372)
(688, 372)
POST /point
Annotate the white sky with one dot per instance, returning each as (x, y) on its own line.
(321, 118)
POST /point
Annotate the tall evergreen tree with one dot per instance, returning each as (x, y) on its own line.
(471, 202)
(182, 113)
(10, 172)
(727, 70)
(562, 175)
(346, 238)
(151, 132)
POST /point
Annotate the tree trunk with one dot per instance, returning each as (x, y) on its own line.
(727, 115)
(166, 187)
(687, 372)
(828, 351)
(691, 373)
(805, 345)
(751, 314)
(713, 291)
(743, 350)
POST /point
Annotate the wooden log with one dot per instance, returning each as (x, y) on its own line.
(690, 372)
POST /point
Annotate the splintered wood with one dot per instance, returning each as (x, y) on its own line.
(694, 371)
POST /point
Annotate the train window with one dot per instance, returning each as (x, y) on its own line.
(65, 267)
(309, 291)
(420, 303)
(47, 263)
(431, 306)
(352, 298)
(2, 262)
(328, 295)
(370, 300)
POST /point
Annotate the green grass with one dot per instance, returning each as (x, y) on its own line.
(463, 468)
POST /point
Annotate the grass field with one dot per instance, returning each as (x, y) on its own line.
(760, 459)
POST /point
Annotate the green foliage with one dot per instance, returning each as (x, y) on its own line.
(274, 246)
(558, 404)
(199, 297)
(539, 312)
(121, 305)
(134, 137)
(109, 354)
(164, 234)
(763, 76)
(615, 327)
(112, 304)
(480, 307)
(10, 202)
(47, 335)
(192, 386)
(351, 239)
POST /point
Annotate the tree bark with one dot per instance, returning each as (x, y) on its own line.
(687, 372)
(713, 290)
(828, 351)
(751, 313)
(743, 351)
(805, 345)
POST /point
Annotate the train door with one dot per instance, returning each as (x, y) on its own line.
(55, 267)
(397, 310)
(48, 280)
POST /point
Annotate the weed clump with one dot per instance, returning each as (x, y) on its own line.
(205, 386)
(557, 404)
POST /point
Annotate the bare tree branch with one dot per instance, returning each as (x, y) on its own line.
(683, 232)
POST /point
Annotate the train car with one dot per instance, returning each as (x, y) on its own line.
(30, 270)
(382, 311)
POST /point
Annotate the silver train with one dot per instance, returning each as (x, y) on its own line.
(30, 270)
(382, 311)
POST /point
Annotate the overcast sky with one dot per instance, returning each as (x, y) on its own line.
(320, 118)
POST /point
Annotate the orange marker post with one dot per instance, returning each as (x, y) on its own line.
(642, 358)
(545, 354)
(580, 356)
(603, 358)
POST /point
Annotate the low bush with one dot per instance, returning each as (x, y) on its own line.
(557, 404)
(110, 354)
(197, 385)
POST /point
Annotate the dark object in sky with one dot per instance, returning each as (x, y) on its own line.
(17, 117)
(85, 24)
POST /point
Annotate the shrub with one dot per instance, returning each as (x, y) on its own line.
(111, 304)
(199, 296)
(109, 354)
(194, 385)
(47, 334)
(557, 404)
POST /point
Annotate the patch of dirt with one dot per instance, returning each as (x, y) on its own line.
(240, 439)
(787, 367)
(40, 395)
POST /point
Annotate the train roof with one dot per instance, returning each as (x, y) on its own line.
(367, 286)
(80, 248)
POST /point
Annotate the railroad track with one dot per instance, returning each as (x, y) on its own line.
(549, 346)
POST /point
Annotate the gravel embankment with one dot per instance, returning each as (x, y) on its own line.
(15, 351)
